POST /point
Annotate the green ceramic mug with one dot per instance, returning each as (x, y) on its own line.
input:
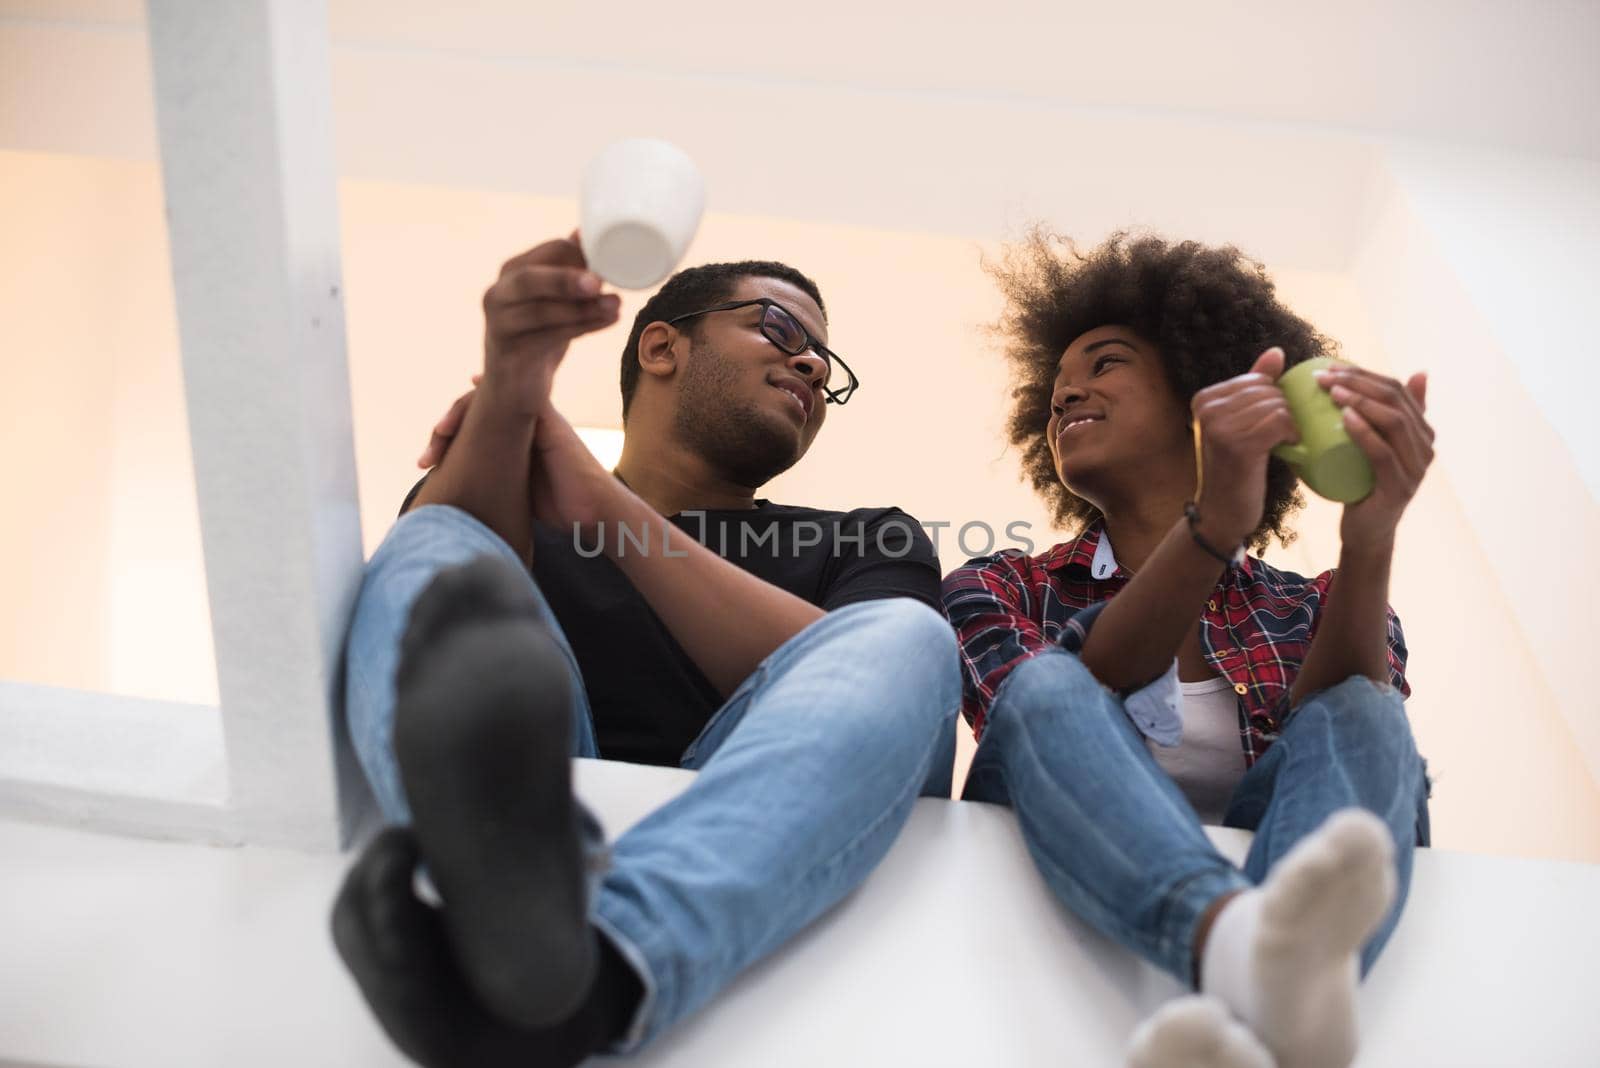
(1325, 458)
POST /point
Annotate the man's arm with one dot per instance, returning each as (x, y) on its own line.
(515, 460)
(542, 300)
(726, 619)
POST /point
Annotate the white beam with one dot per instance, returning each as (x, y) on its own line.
(112, 763)
(243, 114)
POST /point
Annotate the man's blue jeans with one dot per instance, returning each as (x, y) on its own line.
(1115, 838)
(806, 773)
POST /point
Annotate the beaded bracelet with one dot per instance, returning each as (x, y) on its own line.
(1193, 513)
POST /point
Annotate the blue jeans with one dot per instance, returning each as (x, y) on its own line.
(1119, 844)
(806, 773)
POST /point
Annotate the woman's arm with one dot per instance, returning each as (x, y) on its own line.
(1386, 420)
(1352, 635)
(1138, 633)
(1237, 423)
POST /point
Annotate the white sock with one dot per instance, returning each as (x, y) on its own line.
(1195, 1032)
(1284, 956)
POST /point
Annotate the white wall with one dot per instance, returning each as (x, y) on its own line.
(1475, 268)
(1521, 234)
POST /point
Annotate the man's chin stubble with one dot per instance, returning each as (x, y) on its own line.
(745, 448)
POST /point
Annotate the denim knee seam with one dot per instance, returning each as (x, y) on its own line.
(638, 911)
(642, 943)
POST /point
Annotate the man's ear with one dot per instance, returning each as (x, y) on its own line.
(658, 353)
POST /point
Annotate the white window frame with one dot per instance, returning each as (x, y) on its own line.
(244, 110)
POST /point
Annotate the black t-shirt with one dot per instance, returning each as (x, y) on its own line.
(648, 699)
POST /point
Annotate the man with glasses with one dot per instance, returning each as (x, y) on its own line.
(790, 655)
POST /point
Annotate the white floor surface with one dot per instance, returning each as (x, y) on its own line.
(121, 953)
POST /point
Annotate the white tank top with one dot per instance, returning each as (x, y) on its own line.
(1209, 762)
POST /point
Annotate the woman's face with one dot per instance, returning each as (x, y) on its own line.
(1115, 421)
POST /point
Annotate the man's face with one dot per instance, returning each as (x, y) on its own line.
(743, 403)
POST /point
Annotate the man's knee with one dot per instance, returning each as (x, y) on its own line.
(900, 630)
(904, 618)
(912, 650)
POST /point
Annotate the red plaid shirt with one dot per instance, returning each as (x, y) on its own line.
(1255, 630)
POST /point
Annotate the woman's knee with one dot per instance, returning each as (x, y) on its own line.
(1365, 713)
(1047, 680)
(1357, 698)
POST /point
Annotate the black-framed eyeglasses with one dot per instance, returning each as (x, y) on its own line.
(784, 330)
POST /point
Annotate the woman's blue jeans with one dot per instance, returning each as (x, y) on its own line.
(1117, 842)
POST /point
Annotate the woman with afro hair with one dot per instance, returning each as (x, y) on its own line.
(1150, 675)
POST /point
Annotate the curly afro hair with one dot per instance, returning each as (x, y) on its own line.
(1209, 312)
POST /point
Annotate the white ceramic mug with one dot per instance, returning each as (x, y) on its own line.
(642, 201)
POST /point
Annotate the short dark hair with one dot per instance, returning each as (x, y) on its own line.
(1208, 311)
(700, 287)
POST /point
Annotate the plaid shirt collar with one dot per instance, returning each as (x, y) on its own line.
(1091, 551)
